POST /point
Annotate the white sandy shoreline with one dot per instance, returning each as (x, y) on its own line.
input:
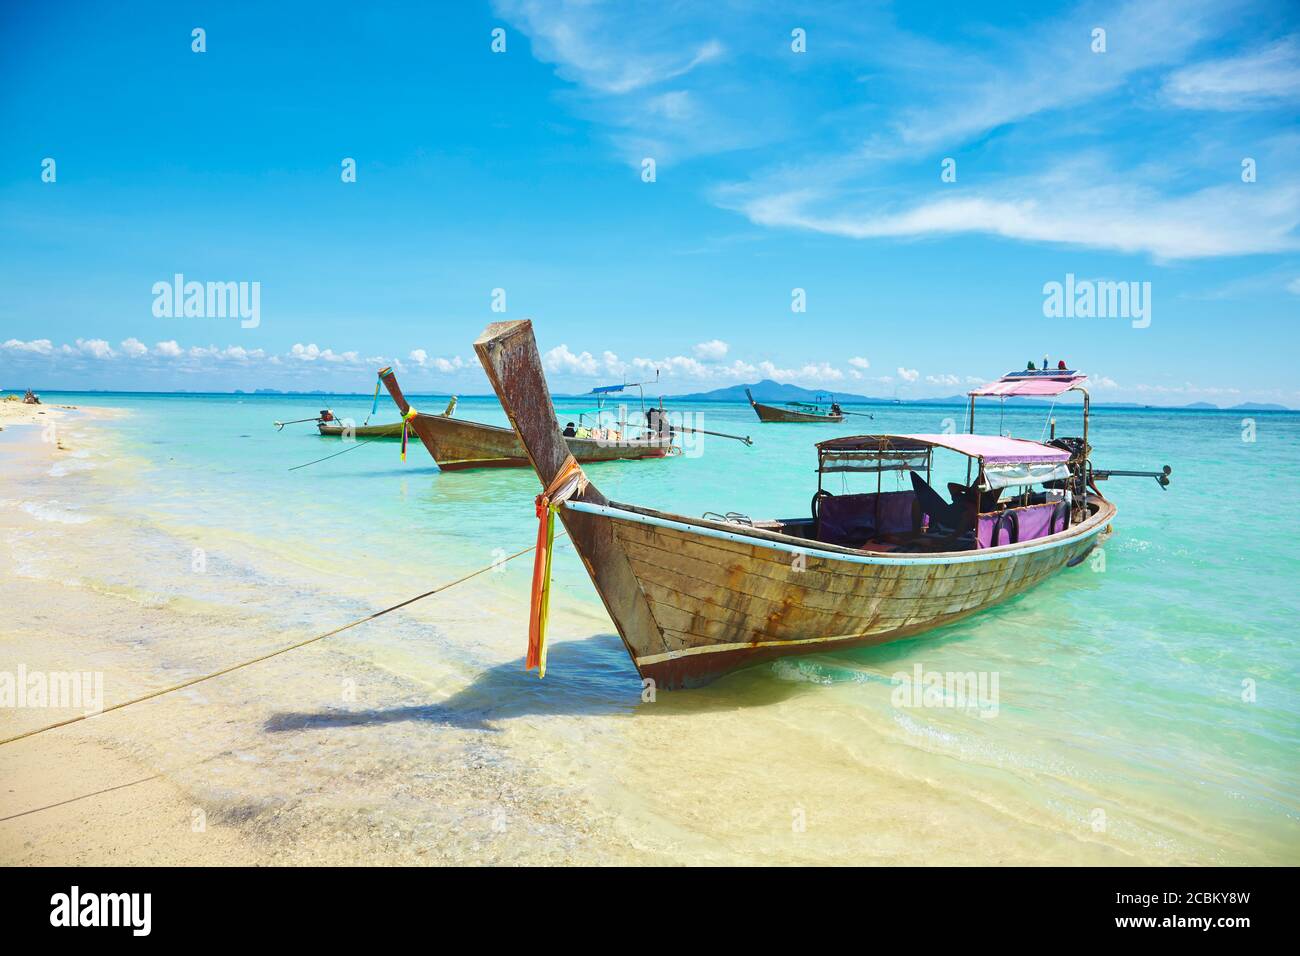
(223, 772)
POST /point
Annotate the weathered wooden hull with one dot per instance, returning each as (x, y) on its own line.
(774, 413)
(336, 430)
(694, 599)
(713, 605)
(456, 444)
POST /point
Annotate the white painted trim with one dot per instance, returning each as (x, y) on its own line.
(748, 645)
(962, 557)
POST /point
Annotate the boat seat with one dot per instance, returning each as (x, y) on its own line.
(941, 512)
(851, 520)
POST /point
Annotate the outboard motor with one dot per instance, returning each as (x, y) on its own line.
(326, 415)
(1076, 484)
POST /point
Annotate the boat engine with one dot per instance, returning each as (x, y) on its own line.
(326, 415)
(1076, 484)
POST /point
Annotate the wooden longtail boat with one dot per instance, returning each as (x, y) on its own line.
(456, 444)
(695, 598)
(337, 429)
(795, 411)
(334, 428)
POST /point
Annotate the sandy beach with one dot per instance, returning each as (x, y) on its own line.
(216, 774)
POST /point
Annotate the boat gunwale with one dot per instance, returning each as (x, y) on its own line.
(775, 540)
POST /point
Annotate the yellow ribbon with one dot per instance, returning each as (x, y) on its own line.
(568, 482)
(406, 423)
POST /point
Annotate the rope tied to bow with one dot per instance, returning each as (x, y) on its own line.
(569, 481)
(406, 425)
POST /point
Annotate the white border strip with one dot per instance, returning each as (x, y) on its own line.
(747, 646)
(707, 532)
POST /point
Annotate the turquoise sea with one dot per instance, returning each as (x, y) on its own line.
(1148, 702)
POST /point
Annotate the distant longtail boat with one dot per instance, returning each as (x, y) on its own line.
(457, 444)
(796, 411)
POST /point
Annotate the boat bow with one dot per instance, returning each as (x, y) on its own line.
(508, 351)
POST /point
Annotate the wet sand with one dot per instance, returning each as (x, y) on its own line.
(316, 756)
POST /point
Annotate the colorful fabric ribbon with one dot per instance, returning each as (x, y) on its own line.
(568, 481)
(406, 424)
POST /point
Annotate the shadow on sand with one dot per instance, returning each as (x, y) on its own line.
(587, 677)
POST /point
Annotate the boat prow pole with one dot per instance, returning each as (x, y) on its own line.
(513, 364)
(390, 382)
(509, 355)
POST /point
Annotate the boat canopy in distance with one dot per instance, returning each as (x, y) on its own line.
(1003, 461)
(1045, 382)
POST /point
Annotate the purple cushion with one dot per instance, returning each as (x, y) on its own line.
(1025, 524)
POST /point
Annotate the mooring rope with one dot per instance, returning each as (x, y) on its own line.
(276, 653)
(335, 455)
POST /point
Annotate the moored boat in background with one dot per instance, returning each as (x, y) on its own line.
(335, 428)
(457, 444)
(828, 411)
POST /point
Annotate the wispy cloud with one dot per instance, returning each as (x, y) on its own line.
(1116, 214)
(606, 47)
(1261, 79)
(850, 168)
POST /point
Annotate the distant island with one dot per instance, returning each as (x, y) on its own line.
(768, 390)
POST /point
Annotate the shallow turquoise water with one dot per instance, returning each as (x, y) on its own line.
(1164, 678)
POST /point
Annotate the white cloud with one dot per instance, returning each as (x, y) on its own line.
(860, 363)
(1067, 208)
(562, 361)
(674, 365)
(676, 105)
(942, 379)
(133, 347)
(1014, 75)
(908, 374)
(1257, 80)
(713, 350)
(96, 347)
(1293, 286)
(612, 363)
(38, 346)
(812, 373)
(313, 353)
(169, 348)
(421, 358)
(609, 54)
(453, 364)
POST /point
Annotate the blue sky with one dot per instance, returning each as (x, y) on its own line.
(774, 170)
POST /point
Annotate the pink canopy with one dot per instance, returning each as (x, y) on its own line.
(992, 448)
(995, 449)
(1031, 383)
